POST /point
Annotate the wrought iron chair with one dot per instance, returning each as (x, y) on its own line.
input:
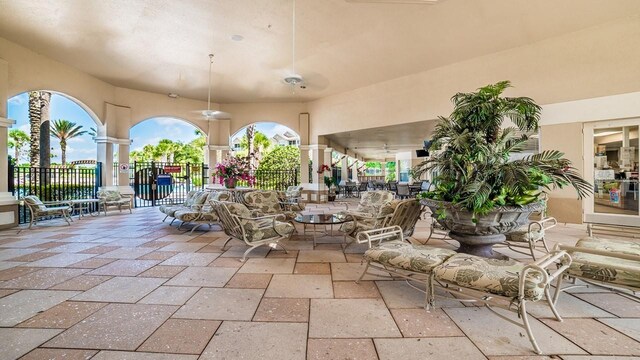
(362, 188)
(238, 223)
(38, 208)
(403, 191)
(113, 198)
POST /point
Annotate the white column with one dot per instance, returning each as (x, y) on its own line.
(304, 165)
(105, 156)
(354, 171)
(123, 158)
(5, 196)
(328, 160)
(344, 170)
(383, 164)
(317, 156)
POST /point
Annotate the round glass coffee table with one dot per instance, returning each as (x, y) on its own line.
(321, 219)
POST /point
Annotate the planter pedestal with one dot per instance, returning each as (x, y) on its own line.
(479, 245)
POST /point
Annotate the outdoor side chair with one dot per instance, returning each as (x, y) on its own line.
(38, 209)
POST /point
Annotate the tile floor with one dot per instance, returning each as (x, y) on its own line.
(128, 286)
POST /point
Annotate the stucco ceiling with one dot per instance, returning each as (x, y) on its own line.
(162, 45)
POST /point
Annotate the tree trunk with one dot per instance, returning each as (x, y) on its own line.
(34, 128)
(251, 131)
(63, 150)
(45, 129)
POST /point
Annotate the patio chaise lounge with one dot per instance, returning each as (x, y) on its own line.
(507, 284)
(201, 214)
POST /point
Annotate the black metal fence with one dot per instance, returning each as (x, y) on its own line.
(159, 183)
(274, 179)
(53, 184)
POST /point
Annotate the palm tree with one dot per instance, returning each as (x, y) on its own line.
(17, 140)
(65, 130)
(34, 128)
(251, 130)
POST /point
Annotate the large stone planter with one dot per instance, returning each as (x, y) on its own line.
(478, 238)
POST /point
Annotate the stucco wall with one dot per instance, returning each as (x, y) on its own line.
(594, 62)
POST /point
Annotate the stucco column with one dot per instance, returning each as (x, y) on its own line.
(383, 164)
(123, 158)
(354, 170)
(317, 156)
(304, 165)
(8, 203)
(105, 156)
(344, 170)
(328, 160)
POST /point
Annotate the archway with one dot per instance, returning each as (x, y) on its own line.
(79, 146)
(166, 159)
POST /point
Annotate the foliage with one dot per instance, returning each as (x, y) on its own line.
(373, 165)
(172, 151)
(65, 130)
(233, 168)
(470, 154)
(329, 181)
(281, 158)
(18, 139)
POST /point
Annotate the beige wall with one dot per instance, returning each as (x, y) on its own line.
(286, 114)
(564, 203)
(593, 62)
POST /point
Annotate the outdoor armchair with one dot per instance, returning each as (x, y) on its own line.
(194, 197)
(38, 208)
(267, 202)
(113, 198)
(201, 214)
(528, 236)
(237, 223)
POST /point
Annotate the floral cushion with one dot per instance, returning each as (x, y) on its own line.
(187, 215)
(264, 202)
(238, 209)
(499, 277)
(607, 269)
(170, 209)
(400, 254)
(372, 201)
(293, 192)
(260, 230)
(109, 195)
(34, 200)
(524, 235)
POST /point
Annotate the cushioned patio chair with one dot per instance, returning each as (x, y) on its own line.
(113, 198)
(38, 209)
(267, 202)
(201, 214)
(609, 263)
(528, 236)
(291, 198)
(404, 214)
(237, 223)
(506, 284)
(194, 197)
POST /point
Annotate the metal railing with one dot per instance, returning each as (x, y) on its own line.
(53, 184)
(273, 179)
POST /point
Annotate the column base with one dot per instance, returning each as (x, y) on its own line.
(315, 196)
(8, 211)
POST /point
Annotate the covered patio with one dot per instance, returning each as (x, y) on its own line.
(132, 287)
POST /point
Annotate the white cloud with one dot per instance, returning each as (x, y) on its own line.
(18, 100)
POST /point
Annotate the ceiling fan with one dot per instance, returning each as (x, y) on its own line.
(385, 147)
(211, 114)
(294, 79)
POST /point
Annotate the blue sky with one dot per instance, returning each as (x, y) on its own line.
(84, 148)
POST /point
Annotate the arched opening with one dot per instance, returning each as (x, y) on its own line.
(72, 128)
(166, 160)
(273, 153)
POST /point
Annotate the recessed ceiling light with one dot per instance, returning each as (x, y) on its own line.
(237, 37)
(173, 95)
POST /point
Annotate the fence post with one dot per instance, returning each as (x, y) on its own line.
(98, 179)
(187, 178)
(152, 183)
(11, 177)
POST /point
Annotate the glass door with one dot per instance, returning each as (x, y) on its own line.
(611, 163)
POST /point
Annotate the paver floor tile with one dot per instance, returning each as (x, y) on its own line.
(420, 323)
(116, 327)
(613, 303)
(268, 266)
(313, 268)
(289, 310)
(629, 327)
(15, 272)
(221, 304)
(249, 281)
(125, 267)
(352, 271)
(124, 355)
(353, 349)
(300, 286)
(17, 342)
(257, 341)
(191, 259)
(161, 271)
(351, 318)
(505, 338)
(158, 255)
(430, 348)
(349, 289)
(81, 283)
(129, 253)
(121, 289)
(59, 354)
(63, 315)
(595, 337)
(189, 247)
(203, 276)
(92, 263)
(181, 336)
(169, 295)
(327, 256)
(226, 262)
(61, 260)
(22, 305)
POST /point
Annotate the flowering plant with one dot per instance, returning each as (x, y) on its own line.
(323, 168)
(232, 169)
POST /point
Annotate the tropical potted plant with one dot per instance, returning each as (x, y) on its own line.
(480, 194)
(231, 170)
(328, 182)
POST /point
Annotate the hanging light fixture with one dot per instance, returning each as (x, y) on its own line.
(294, 79)
(209, 114)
